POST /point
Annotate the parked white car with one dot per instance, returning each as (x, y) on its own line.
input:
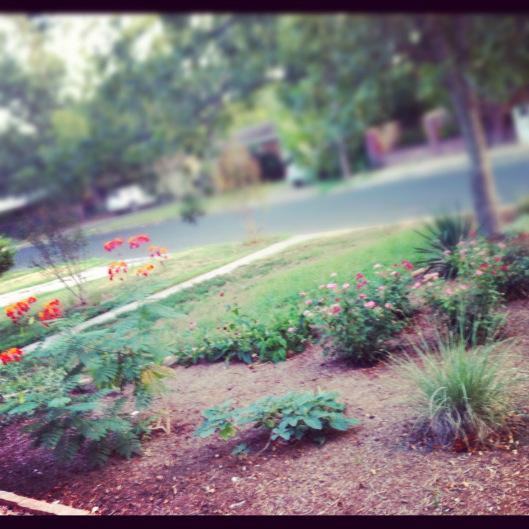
(297, 176)
(127, 198)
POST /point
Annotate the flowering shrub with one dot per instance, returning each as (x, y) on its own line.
(516, 281)
(51, 311)
(18, 311)
(13, 354)
(469, 304)
(290, 417)
(358, 319)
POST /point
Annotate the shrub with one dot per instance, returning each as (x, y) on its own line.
(246, 339)
(441, 238)
(45, 386)
(358, 319)
(470, 304)
(7, 255)
(515, 283)
(290, 417)
(463, 395)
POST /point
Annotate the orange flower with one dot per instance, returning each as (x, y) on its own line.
(158, 252)
(117, 267)
(14, 354)
(137, 240)
(17, 310)
(145, 270)
(113, 244)
(51, 311)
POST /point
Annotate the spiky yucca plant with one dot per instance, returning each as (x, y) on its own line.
(442, 236)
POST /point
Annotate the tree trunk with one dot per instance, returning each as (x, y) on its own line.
(482, 178)
(345, 166)
(468, 114)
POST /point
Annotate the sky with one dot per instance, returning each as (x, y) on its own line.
(74, 38)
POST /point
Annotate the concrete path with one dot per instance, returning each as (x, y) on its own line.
(97, 272)
(223, 270)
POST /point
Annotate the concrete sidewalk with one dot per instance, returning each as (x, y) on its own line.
(91, 274)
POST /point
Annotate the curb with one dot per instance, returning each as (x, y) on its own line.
(39, 507)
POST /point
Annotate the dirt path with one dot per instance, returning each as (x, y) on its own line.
(371, 469)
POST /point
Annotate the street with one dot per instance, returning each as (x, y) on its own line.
(385, 202)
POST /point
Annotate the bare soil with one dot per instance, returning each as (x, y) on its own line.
(372, 469)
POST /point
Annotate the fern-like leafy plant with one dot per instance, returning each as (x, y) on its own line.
(124, 362)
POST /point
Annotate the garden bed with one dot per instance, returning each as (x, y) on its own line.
(372, 469)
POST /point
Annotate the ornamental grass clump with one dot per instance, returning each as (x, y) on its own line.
(463, 396)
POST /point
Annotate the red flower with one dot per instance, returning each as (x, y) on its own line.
(51, 311)
(406, 264)
(359, 276)
(32, 299)
(504, 268)
(115, 268)
(137, 240)
(113, 244)
(14, 354)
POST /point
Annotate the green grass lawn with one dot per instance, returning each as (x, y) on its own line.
(262, 288)
(104, 295)
(28, 277)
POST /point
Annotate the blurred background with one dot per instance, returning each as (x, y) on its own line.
(211, 128)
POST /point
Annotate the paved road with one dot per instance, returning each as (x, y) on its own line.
(431, 192)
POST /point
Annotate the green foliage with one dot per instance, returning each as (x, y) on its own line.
(515, 283)
(123, 362)
(7, 255)
(290, 417)
(441, 238)
(523, 206)
(246, 339)
(191, 208)
(463, 395)
(470, 304)
(357, 320)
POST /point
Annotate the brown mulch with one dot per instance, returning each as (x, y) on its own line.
(371, 469)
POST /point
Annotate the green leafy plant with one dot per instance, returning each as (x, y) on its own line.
(7, 255)
(290, 417)
(357, 320)
(470, 304)
(463, 395)
(123, 364)
(247, 339)
(515, 283)
(441, 237)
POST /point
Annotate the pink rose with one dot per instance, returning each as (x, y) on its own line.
(332, 286)
(362, 284)
(345, 286)
(417, 284)
(479, 272)
(335, 309)
(291, 330)
(388, 306)
(362, 296)
(381, 288)
(448, 291)
(308, 302)
(370, 305)
(359, 276)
